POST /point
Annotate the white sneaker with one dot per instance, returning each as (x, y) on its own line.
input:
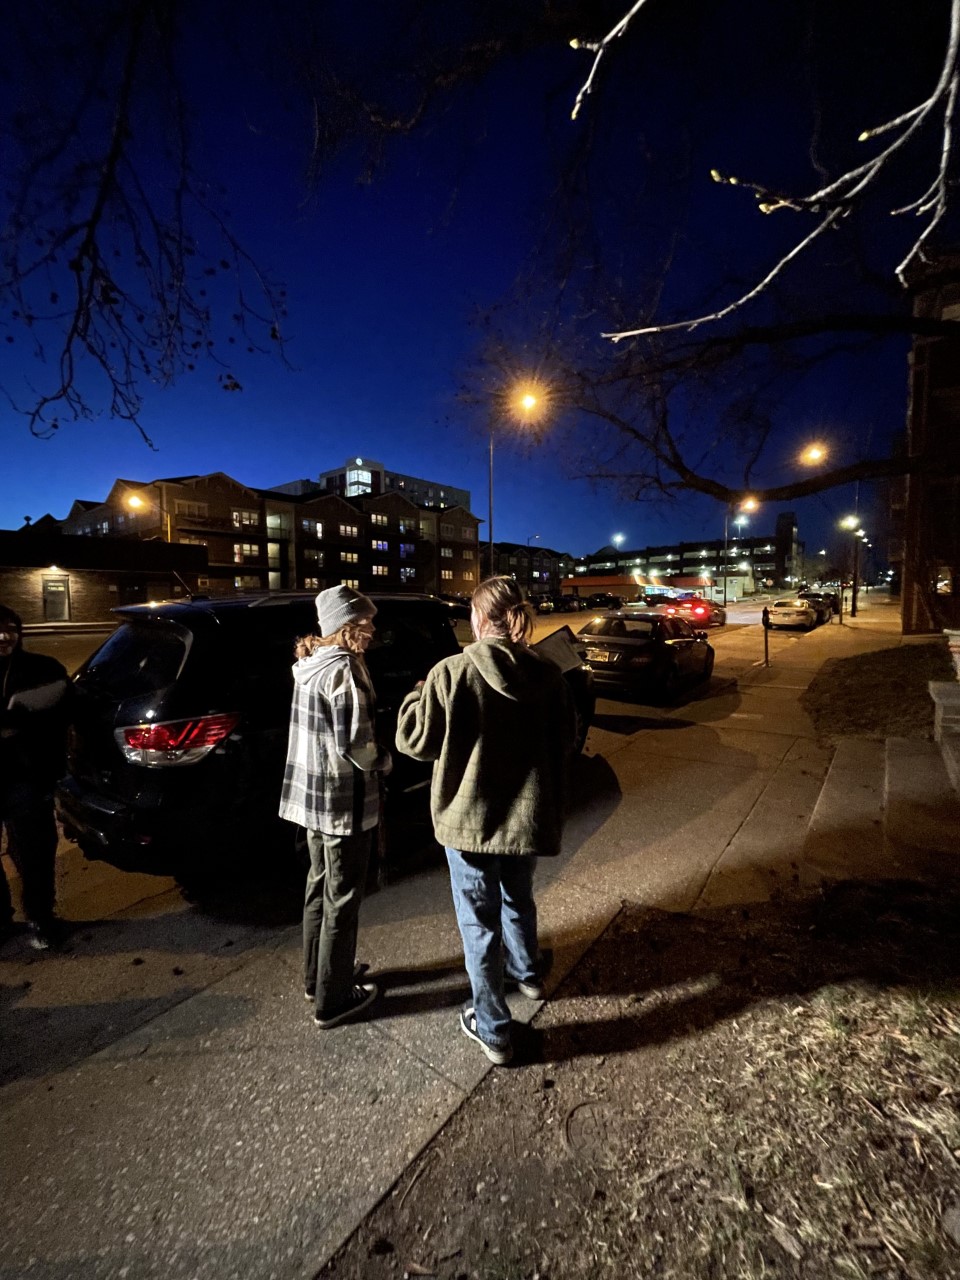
(500, 1055)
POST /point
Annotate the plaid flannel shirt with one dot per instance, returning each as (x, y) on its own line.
(330, 782)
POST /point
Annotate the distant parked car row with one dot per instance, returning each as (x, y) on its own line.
(807, 609)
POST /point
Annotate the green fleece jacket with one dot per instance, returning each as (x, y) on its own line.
(500, 724)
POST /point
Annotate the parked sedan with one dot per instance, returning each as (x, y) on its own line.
(829, 599)
(698, 611)
(793, 612)
(821, 604)
(648, 652)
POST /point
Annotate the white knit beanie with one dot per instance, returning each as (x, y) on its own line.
(339, 605)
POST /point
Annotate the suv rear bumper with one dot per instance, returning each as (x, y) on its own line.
(111, 829)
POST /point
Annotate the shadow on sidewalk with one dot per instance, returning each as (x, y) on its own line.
(671, 976)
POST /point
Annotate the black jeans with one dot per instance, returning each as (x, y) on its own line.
(26, 815)
(331, 914)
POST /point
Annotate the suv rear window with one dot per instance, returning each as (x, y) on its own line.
(137, 660)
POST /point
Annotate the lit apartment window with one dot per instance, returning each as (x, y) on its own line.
(468, 575)
(536, 573)
(379, 570)
(468, 555)
(447, 552)
(311, 584)
(407, 549)
(407, 574)
(408, 526)
(379, 546)
(348, 531)
(246, 581)
(446, 574)
(243, 551)
(312, 556)
(246, 519)
(468, 534)
(426, 528)
(350, 582)
(193, 542)
(379, 519)
(104, 526)
(313, 527)
(359, 481)
(349, 557)
(446, 531)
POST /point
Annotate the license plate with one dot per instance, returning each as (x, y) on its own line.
(598, 655)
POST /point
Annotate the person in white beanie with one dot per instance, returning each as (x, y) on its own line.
(331, 787)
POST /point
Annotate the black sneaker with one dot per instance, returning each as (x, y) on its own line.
(359, 969)
(357, 1001)
(498, 1054)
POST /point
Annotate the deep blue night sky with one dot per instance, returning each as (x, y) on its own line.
(385, 280)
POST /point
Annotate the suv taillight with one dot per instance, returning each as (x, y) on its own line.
(174, 741)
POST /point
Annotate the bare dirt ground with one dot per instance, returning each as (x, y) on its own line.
(758, 1092)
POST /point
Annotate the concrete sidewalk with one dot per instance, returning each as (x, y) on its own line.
(227, 1137)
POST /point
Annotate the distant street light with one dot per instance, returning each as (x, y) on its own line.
(852, 525)
(813, 454)
(617, 539)
(137, 504)
(745, 504)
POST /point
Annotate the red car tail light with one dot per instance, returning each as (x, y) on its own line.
(671, 608)
(699, 611)
(174, 741)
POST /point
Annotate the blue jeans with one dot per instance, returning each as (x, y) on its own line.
(497, 917)
(331, 914)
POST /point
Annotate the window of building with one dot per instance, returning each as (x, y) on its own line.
(378, 518)
(379, 570)
(244, 581)
(193, 542)
(359, 480)
(446, 530)
(311, 584)
(536, 573)
(120, 518)
(379, 546)
(104, 526)
(312, 556)
(407, 550)
(348, 531)
(446, 574)
(468, 555)
(246, 519)
(193, 509)
(349, 557)
(312, 527)
(468, 575)
(468, 533)
(447, 552)
(243, 551)
(407, 573)
(350, 582)
(408, 526)
(426, 528)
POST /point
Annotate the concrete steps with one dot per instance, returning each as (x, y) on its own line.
(887, 810)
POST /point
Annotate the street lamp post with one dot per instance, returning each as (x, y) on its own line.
(745, 504)
(523, 404)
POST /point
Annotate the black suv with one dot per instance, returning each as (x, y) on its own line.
(180, 724)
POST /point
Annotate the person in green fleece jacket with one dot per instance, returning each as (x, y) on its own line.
(499, 724)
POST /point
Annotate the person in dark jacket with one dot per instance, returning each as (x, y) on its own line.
(499, 723)
(33, 719)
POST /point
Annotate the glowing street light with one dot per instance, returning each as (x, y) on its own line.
(617, 539)
(813, 455)
(745, 504)
(525, 402)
